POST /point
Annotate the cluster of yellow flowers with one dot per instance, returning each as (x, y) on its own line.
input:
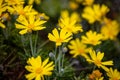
(28, 20)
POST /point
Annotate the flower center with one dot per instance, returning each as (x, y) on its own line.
(98, 62)
(22, 12)
(69, 29)
(115, 78)
(59, 40)
(39, 70)
(93, 42)
(30, 27)
(81, 51)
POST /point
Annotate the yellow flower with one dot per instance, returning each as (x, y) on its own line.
(95, 13)
(38, 69)
(4, 17)
(3, 8)
(87, 2)
(78, 48)
(14, 2)
(32, 1)
(29, 24)
(110, 29)
(96, 75)
(113, 74)
(73, 5)
(1, 24)
(92, 38)
(59, 38)
(70, 23)
(96, 58)
(21, 10)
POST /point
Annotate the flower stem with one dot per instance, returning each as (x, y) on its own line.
(55, 58)
(31, 45)
(59, 60)
(36, 37)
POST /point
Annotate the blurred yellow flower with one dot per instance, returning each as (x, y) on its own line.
(14, 2)
(28, 24)
(59, 38)
(38, 69)
(4, 17)
(21, 10)
(78, 48)
(32, 1)
(113, 74)
(95, 12)
(3, 8)
(92, 38)
(70, 23)
(87, 2)
(96, 75)
(73, 5)
(96, 58)
(1, 24)
(110, 29)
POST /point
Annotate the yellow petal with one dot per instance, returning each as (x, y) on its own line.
(45, 62)
(51, 37)
(30, 76)
(23, 31)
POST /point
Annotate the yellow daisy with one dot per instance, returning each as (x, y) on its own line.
(4, 17)
(96, 58)
(110, 29)
(92, 38)
(14, 2)
(70, 23)
(95, 12)
(87, 2)
(32, 1)
(78, 48)
(29, 24)
(96, 75)
(38, 69)
(113, 74)
(3, 8)
(21, 10)
(1, 24)
(73, 5)
(59, 38)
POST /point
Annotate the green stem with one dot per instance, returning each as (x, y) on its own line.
(22, 40)
(55, 59)
(31, 45)
(36, 37)
(63, 59)
(59, 60)
(63, 55)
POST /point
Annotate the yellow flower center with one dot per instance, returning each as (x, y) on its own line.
(98, 62)
(59, 40)
(81, 51)
(39, 70)
(115, 78)
(30, 27)
(97, 73)
(69, 29)
(93, 42)
(22, 12)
